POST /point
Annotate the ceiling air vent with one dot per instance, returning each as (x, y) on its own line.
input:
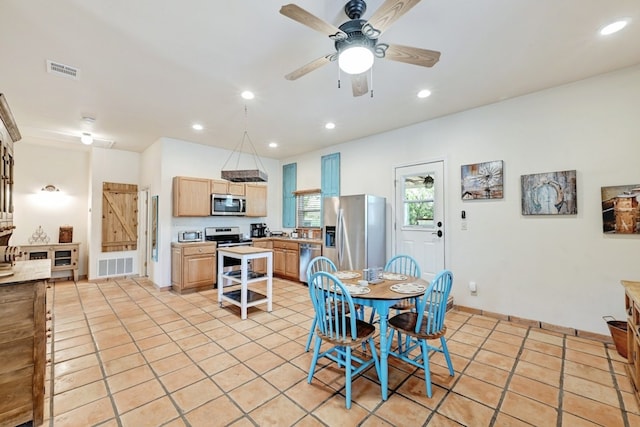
(62, 70)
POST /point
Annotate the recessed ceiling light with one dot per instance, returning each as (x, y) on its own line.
(330, 125)
(273, 144)
(614, 27)
(247, 94)
(197, 126)
(424, 93)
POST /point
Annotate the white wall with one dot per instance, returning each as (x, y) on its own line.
(109, 165)
(561, 270)
(38, 164)
(151, 180)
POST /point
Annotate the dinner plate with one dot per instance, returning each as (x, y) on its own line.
(394, 276)
(346, 274)
(407, 288)
(356, 290)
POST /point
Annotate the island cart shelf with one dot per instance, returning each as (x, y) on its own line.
(244, 297)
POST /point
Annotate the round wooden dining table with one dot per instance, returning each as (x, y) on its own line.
(382, 297)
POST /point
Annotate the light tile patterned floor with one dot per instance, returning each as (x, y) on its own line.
(126, 354)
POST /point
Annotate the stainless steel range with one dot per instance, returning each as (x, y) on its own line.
(227, 237)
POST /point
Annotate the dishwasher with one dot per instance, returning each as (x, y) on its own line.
(308, 251)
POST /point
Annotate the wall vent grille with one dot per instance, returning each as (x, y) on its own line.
(63, 70)
(115, 267)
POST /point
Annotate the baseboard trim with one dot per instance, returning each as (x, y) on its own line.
(538, 324)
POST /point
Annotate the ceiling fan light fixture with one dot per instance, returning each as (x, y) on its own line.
(355, 59)
(86, 138)
(428, 181)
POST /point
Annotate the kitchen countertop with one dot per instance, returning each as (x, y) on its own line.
(202, 242)
(287, 239)
(26, 271)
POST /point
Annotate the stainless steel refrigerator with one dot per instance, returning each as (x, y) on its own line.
(355, 231)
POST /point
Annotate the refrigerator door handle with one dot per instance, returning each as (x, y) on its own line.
(339, 239)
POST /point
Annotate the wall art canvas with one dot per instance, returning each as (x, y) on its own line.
(551, 193)
(482, 180)
(620, 209)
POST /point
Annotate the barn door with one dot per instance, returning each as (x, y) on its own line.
(119, 217)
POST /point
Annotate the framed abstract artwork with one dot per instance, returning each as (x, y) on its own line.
(482, 180)
(620, 209)
(550, 193)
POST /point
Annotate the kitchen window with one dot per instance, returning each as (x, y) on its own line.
(309, 212)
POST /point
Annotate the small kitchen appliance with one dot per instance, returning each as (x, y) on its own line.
(190, 236)
(258, 230)
(228, 204)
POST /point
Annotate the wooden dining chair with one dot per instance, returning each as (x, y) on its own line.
(426, 323)
(317, 264)
(341, 331)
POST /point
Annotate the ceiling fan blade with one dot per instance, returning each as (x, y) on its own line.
(359, 84)
(412, 55)
(313, 65)
(388, 13)
(297, 13)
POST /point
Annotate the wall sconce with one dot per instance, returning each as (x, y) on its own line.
(50, 188)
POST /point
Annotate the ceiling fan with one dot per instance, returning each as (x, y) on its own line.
(427, 180)
(356, 41)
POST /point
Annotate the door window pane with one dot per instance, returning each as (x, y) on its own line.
(418, 200)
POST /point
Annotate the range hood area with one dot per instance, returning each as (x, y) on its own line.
(244, 175)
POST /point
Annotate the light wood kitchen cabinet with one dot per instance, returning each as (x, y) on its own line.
(259, 265)
(191, 196)
(222, 186)
(256, 195)
(286, 259)
(193, 266)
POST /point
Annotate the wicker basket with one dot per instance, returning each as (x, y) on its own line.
(618, 330)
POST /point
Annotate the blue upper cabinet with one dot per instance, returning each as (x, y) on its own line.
(289, 183)
(330, 184)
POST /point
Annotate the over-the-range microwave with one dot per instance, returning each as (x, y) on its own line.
(227, 204)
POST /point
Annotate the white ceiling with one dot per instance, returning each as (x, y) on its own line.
(151, 68)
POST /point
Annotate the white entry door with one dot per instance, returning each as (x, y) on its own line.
(419, 215)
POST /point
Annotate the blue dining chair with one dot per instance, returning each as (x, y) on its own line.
(426, 323)
(317, 264)
(341, 331)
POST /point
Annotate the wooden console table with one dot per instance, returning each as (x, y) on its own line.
(63, 256)
(244, 297)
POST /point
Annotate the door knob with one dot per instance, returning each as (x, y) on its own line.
(438, 233)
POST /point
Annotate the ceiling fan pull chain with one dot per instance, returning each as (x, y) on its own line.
(338, 77)
(371, 78)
